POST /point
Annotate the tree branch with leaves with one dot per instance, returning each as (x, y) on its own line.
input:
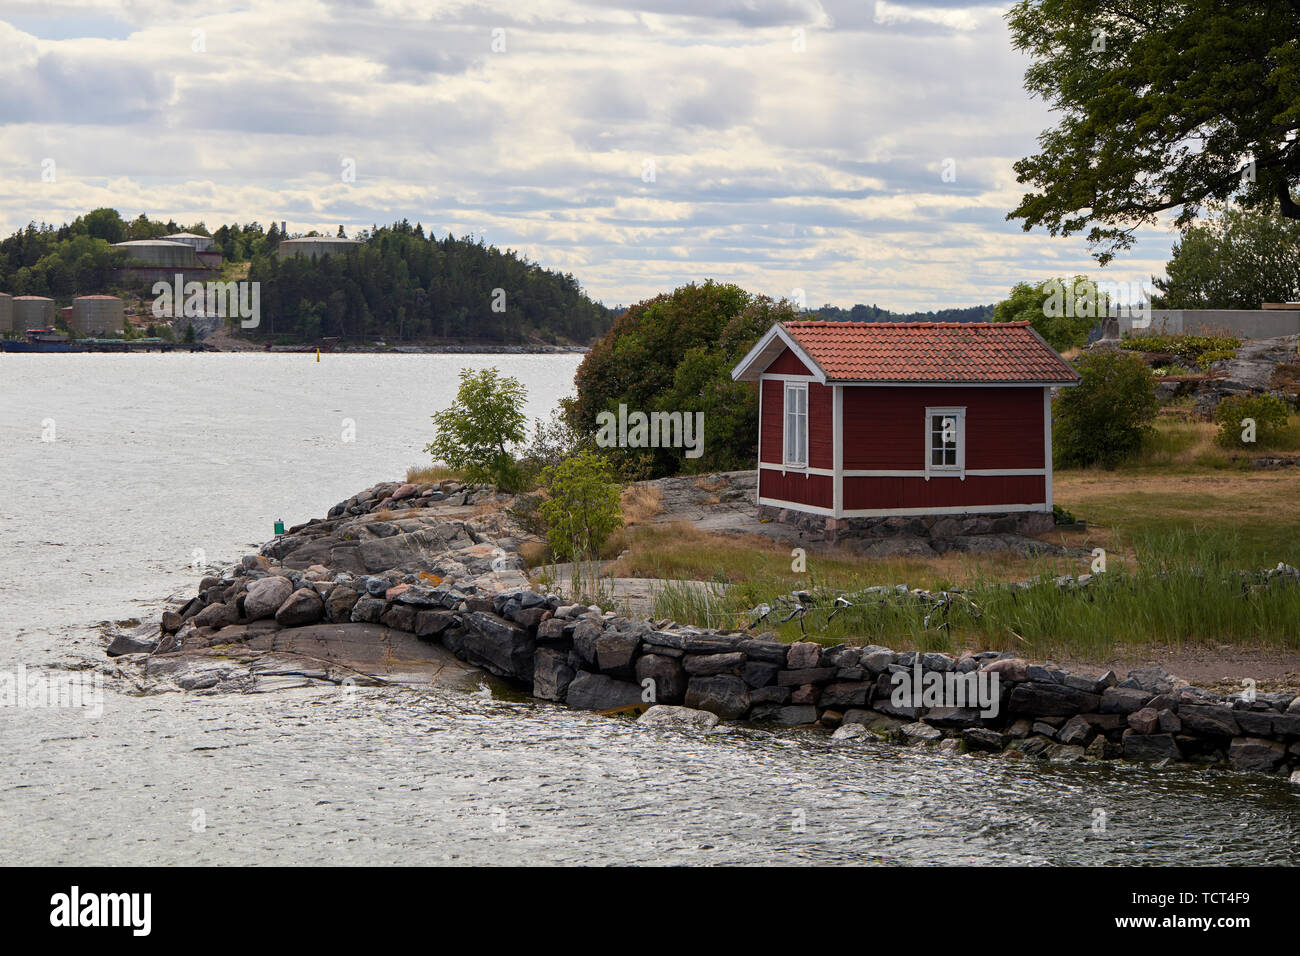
(1163, 105)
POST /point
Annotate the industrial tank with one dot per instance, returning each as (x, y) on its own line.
(97, 315)
(198, 243)
(159, 252)
(32, 312)
(6, 312)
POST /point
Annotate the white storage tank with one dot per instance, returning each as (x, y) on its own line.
(159, 252)
(198, 243)
(97, 315)
(32, 312)
(6, 312)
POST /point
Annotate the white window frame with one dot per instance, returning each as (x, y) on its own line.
(958, 470)
(800, 459)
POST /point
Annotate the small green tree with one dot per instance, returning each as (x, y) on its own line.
(473, 434)
(1235, 260)
(189, 332)
(1062, 311)
(582, 508)
(1268, 413)
(1107, 416)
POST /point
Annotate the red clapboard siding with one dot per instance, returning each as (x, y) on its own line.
(863, 494)
(821, 401)
(787, 364)
(795, 487)
(821, 426)
(771, 410)
(884, 428)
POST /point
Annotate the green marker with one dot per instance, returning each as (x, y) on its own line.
(279, 526)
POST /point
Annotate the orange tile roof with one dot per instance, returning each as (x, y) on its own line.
(939, 352)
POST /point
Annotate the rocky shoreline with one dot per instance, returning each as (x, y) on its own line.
(423, 584)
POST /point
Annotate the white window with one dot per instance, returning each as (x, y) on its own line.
(796, 424)
(945, 441)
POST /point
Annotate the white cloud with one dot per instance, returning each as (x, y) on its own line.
(774, 166)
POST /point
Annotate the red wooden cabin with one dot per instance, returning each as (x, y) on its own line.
(868, 420)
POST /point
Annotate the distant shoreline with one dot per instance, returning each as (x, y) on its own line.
(191, 348)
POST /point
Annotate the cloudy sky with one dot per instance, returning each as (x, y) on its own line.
(639, 144)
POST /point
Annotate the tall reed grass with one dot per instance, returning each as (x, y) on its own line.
(1176, 589)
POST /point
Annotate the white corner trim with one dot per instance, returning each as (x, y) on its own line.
(1047, 444)
(837, 449)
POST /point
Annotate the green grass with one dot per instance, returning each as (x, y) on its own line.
(1179, 589)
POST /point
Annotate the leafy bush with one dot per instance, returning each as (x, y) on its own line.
(527, 512)
(1189, 348)
(1270, 415)
(1170, 371)
(674, 353)
(1062, 311)
(553, 441)
(1206, 359)
(473, 434)
(1061, 516)
(582, 506)
(1107, 416)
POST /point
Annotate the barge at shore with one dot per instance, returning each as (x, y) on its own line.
(48, 340)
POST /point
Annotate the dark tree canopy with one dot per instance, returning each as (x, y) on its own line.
(400, 285)
(1163, 104)
(1236, 260)
(674, 353)
(874, 313)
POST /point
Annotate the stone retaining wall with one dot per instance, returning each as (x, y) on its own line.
(453, 579)
(932, 527)
(599, 661)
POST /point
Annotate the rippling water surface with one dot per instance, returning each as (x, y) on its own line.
(157, 456)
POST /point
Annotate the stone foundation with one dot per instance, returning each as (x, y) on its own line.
(932, 527)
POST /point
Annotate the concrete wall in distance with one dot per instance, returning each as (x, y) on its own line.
(1245, 323)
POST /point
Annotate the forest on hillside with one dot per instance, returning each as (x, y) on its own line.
(403, 285)
(874, 313)
(399, 285)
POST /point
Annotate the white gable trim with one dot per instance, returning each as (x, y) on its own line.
(752, 365)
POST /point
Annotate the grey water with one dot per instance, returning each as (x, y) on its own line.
(123, 476)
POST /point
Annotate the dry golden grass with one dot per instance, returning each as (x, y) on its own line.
(1252, 511)
(679, 550)
(641, 503)
(431, 474)
(384, 514)
(535, 553)
(1286, 378)
(488, 506)
(710, 483)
